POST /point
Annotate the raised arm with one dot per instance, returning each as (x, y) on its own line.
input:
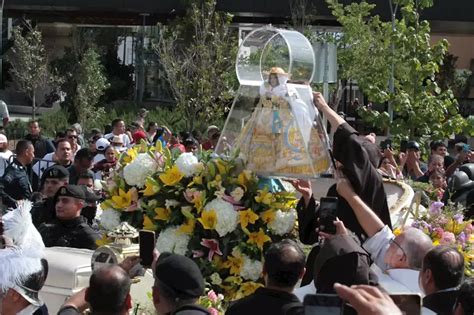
(370, 222)
(334, 119)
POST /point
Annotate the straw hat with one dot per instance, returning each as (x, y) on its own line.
(277, 70)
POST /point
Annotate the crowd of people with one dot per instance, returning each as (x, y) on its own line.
(361, 262)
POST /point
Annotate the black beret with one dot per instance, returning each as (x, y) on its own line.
(56, 171)
(181, 275)
(73, 191)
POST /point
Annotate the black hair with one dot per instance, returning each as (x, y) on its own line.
(446, 265)
(60, 134)
(36, 280)
(84, 154)
(116, 121)
(284, 263)
(86, 175)
(22, 146)
(434, 145)
(466, 297)
(61, 140)
(108, 290)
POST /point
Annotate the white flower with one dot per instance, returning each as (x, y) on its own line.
(171, 203)
(227, 217)
(136, 172)
(188, 164)
(216, 278)
(237, 194)
(110, 219)
(170, 240)
(284, 222)
(251, 269)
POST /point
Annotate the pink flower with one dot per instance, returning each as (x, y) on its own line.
(212, 296)
(438, 232)
(192, 195)
(447, 239)
(469, 229)
(213, 246)
(213, 311)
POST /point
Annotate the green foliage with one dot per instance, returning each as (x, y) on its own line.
(29, 64)
(370, 46)
(198, 52)
(92, 84)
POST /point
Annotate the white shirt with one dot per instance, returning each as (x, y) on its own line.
(28, 310)
(377, 246)
(399, 280)
(301, 292)
(4, 111)
(125, 139)
(4, 160)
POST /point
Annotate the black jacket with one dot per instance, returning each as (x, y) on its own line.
(15, 185)
(359, 159)
(442, 303)
(74, 233)
(42, 145)
(191, 309)
(263, 301)
(43, 212)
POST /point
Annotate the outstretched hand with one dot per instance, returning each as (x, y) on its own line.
(319, 101)
(304, 187)
(367, 300)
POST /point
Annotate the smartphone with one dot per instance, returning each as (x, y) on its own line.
(147, 245)
(409, 304)
(466, 148)
(327, 214)
(403, 146)
(322, 304)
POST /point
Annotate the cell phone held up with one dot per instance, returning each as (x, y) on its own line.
(147, 245)
(327, 214)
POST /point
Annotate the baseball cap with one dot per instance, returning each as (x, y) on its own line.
(73, 191)
(101, 144)
(181, 275)
(3, 138)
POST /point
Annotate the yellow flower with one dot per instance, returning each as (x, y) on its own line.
(221, 166)
(208, 219)
(103, 241)
(162, 214)
(151, 187)
(246, 217)
(188, 227)
(435, 242)
(244, 179)
(130, 155)
(264, 197)
(148, 224)
(248, 288)
(234, 263)
(397, 231)
(197, 180)
(268, 216)
(258, 238)
(172, 176)
(123, 200)
(199, 202)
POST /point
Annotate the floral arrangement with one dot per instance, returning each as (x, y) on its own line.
(213, 302)
(205, 207)
(445, 224)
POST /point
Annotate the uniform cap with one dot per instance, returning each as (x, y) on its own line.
(56, 171)
(73, 191)
(181, 275)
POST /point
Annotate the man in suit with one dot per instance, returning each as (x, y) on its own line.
(283, 268)
(440, 276)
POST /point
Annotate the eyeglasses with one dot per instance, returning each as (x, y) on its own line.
(392, 241)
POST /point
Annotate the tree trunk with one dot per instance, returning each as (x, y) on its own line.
(33, 106)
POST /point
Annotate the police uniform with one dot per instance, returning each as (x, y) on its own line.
(75, 233)
(44, 211)
(15, 185)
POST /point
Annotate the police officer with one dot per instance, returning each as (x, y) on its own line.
(69, 229)
(15, 185)
(53, 178)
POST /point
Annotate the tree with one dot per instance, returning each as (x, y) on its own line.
(91, 86)
(29, 64)
(369, 48)
(198, 52)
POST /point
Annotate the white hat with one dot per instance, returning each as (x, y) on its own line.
(101, 144)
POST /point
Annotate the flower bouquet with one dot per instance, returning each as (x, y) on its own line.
(445, 225)
(204, 207)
